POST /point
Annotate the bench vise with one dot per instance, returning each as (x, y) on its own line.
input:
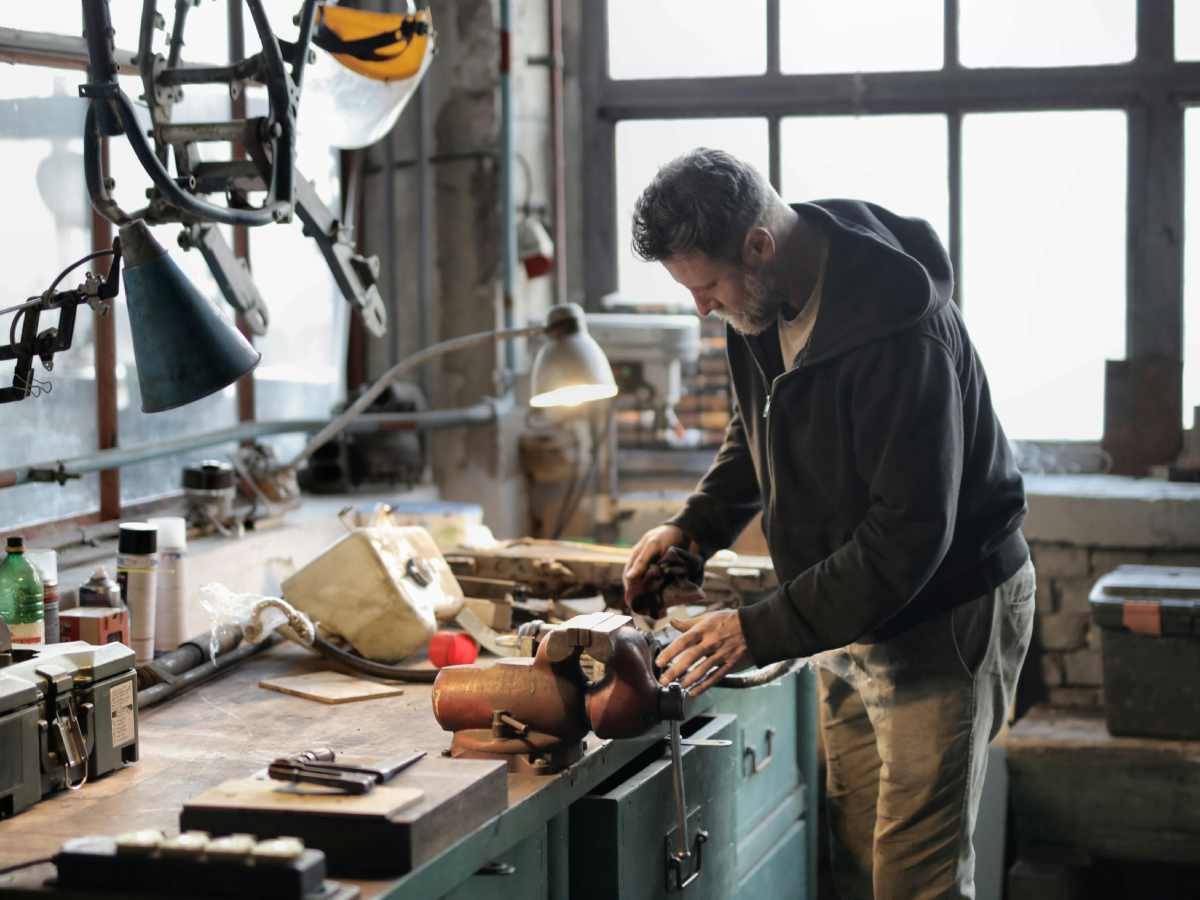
(67, 716)
(534, 712)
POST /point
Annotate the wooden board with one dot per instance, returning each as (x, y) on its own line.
(331, 687)
(387, 835)
(263, 793)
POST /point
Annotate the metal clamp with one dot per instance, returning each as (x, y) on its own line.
(750, 753)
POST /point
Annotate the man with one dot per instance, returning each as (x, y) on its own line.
(864, 431)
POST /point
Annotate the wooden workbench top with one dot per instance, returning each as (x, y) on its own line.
(229, 728)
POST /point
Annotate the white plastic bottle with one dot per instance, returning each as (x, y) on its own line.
(170, 619)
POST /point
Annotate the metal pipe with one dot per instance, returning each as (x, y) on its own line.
(199, 674)
(63, 50)
(484, 412)
(411, 362)
(559, 144)
(508, 231)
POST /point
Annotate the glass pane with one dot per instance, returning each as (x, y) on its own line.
(860, 35)
(205, 33)
(158, 477)
(1191, 266)
(642, 147)
(41, 128)
(682, 38)
(1043, 277)
(1187, 30)
(838, 156)
(1036, 33)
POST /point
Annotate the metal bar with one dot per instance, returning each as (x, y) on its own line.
(950, 20)
(1154, 305)
(481, 413)
(1078, 87)
(598, 160)
(235, 131)
(774, 153)
(105, 356)
(61, 50)
(508, 230)
(241, 233)
(559, 148)
(773, 37)
(954, 190)
(425, 226)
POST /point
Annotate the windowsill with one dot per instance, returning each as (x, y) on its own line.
(1113, 511)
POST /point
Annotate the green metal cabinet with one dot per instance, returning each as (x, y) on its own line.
(621, 832)
(519, 874)
(776, 813)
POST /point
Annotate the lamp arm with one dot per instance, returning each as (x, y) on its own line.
(441, 348)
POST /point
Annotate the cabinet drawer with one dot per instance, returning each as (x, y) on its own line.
(519, 873)
(767, 745)
(756, 844)
(782, 873)
(620, 832)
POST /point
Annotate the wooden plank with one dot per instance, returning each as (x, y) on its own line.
(331, 687)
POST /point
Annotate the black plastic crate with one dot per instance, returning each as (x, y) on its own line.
(1149, 618)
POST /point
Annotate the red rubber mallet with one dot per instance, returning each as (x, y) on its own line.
(452, 648)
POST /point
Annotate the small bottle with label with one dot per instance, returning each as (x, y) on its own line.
(21, 596)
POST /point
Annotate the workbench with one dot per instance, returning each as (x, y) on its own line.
(761, 790)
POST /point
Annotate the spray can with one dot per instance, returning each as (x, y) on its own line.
(170, 622)
(137, 574)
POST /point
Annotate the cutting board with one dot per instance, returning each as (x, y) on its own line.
(331, 687)
(390, 831)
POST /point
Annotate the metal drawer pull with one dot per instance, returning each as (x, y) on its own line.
(755, 765)
(678, 860)
(497, 867)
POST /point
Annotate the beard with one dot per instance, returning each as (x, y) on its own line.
(761, 305)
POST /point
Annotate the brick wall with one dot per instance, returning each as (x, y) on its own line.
(1066, 643)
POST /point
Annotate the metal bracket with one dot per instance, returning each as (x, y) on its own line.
(677, 861)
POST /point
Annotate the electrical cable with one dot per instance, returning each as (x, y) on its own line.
(26, 865)
(569, 508)
(370, 667)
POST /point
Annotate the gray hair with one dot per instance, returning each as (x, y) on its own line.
(703, 201)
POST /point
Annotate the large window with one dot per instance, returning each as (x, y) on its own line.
(1043, 142)
(640, 149)
(1044, 264)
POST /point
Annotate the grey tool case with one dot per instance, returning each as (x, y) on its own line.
(67, 716)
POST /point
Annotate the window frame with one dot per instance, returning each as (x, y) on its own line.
(1153, 89)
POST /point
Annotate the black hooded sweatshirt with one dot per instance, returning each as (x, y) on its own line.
(888, 489)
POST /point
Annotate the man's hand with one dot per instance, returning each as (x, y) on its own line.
(710, 646)
(653, 544)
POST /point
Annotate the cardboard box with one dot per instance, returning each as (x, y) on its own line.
(95, 625)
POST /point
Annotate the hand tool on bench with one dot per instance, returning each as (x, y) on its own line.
(318, 767)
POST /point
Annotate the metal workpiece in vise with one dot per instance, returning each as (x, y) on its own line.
(534, 712)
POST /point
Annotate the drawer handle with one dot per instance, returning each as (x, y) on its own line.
(497, 867)
(676, 862)
(757, 765)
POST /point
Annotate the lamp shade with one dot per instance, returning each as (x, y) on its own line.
(183, 347)
(570, 368)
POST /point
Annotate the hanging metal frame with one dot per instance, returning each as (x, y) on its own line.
(269, 142)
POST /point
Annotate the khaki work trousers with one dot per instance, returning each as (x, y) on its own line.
(906, 724)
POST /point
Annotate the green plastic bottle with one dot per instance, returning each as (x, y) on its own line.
(21, 596)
